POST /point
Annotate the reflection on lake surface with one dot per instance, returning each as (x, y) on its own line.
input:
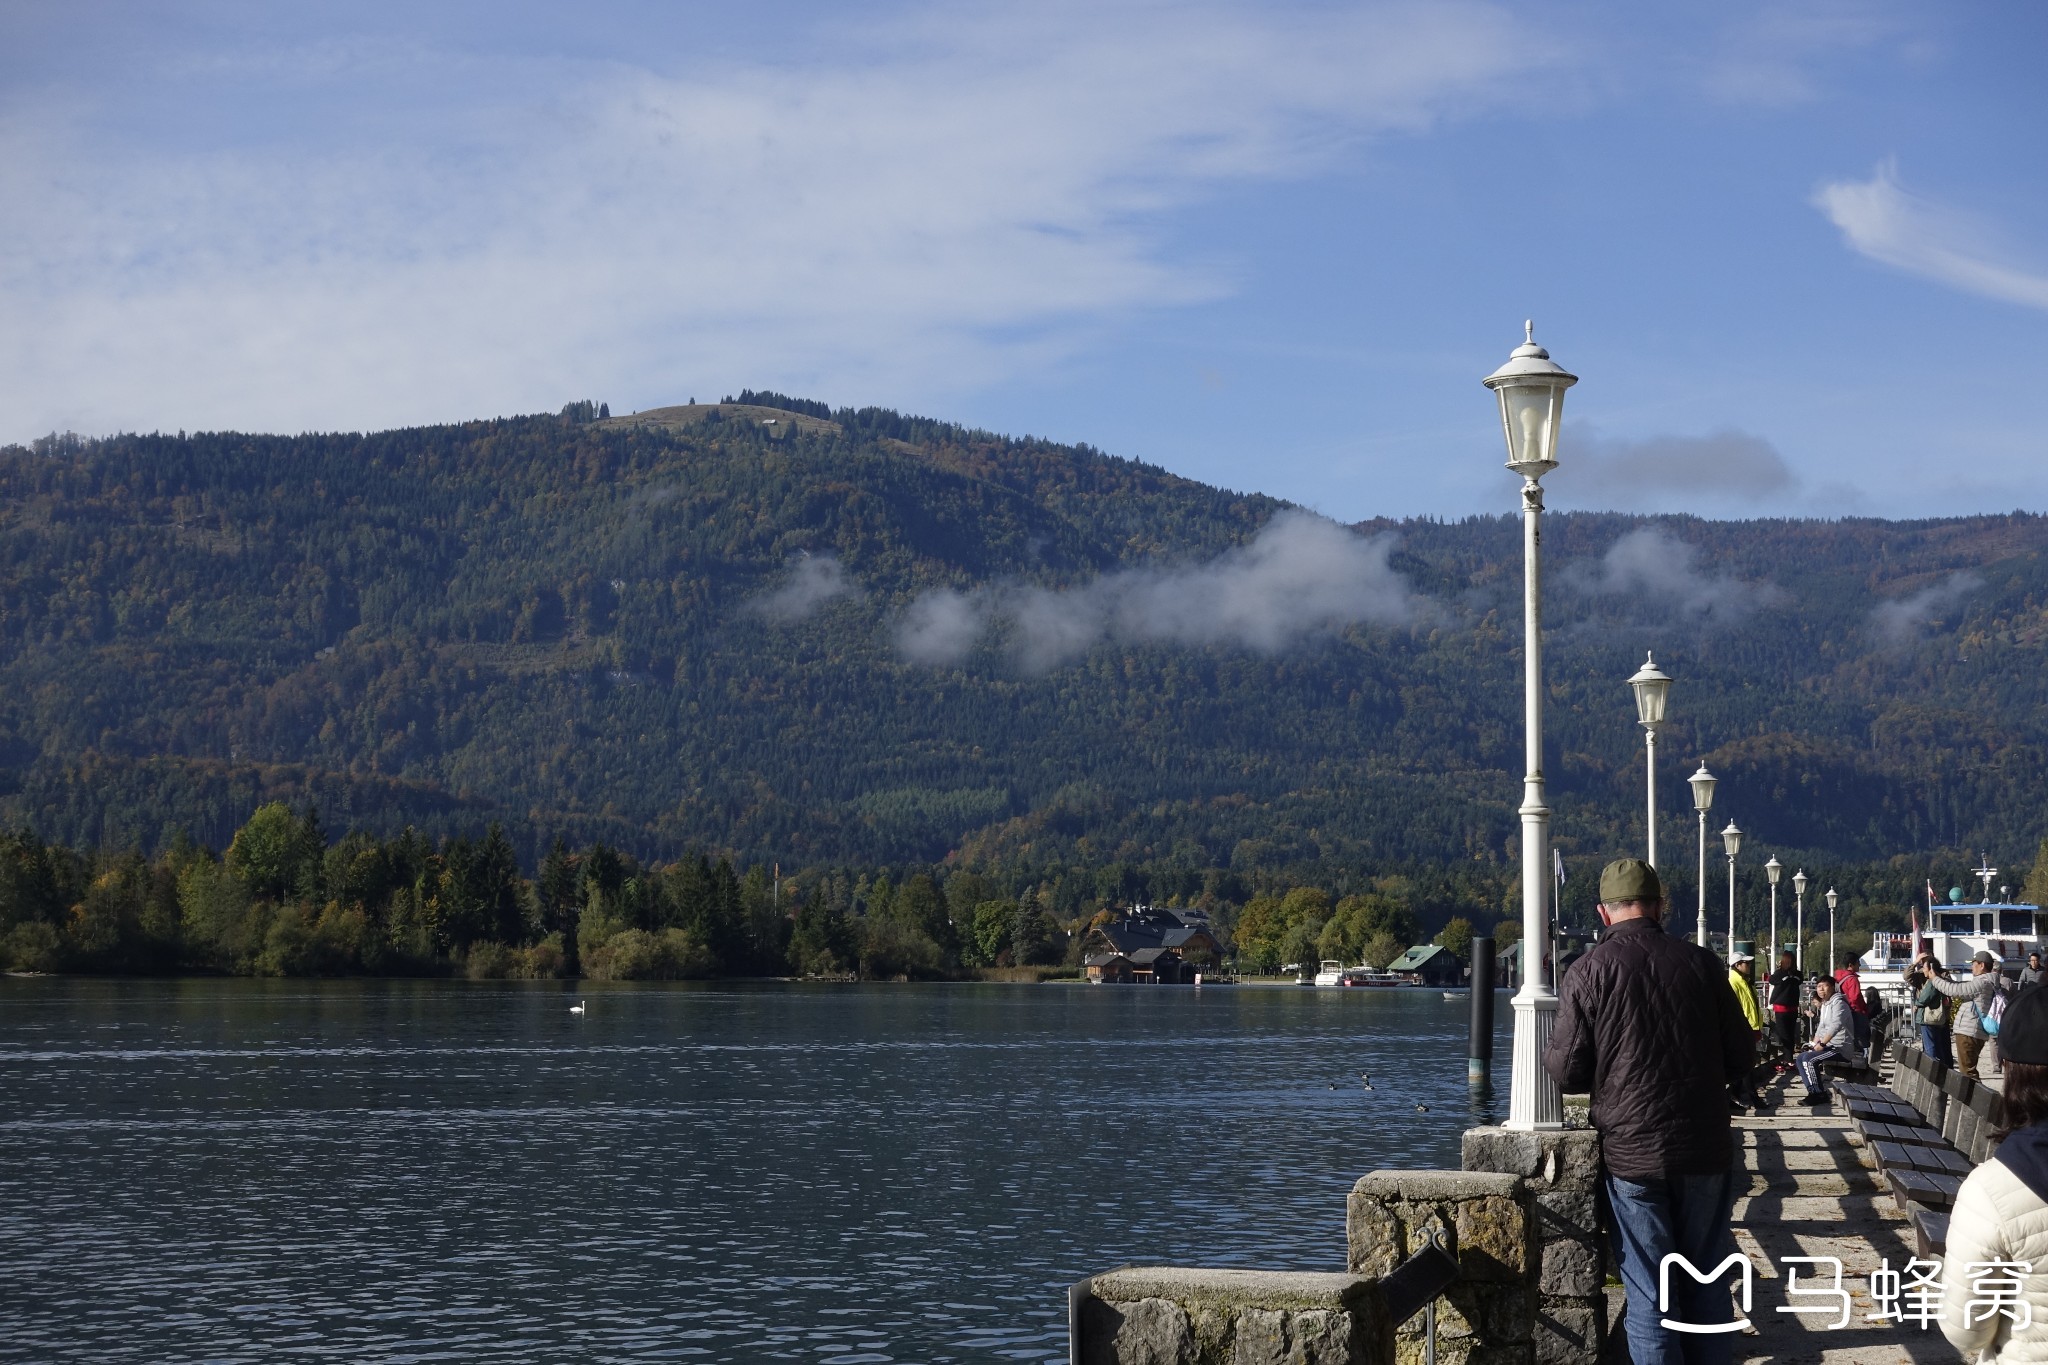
(393, 1171)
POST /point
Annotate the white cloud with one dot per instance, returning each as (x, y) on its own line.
(1653, 566)
(1780, 53)
(1880, 219)
(1903, 620)
(1728, 471)
(941, 627)
(814, 580)
(1301, 575)
(943, 200)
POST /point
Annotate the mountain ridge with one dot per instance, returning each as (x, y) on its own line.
(698, 632)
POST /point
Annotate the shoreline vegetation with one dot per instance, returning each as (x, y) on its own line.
(284, 901)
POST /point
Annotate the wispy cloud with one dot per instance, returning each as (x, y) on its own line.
(813, 581)
(1653, 566)
(1728, 471)
(1882, 220)
(1902, 620)
(920, 203)
(1302, 575)
(1782, 52)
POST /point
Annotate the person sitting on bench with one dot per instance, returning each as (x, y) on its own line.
(1834, 1040)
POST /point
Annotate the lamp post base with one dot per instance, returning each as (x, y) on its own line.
(1534, 1101)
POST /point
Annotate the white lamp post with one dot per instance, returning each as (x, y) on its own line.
(1702, 801)
(1531, 388)
(1653, 689)
(1830, 968)
(1799, 922)
(1772, 871)
(1731, 839)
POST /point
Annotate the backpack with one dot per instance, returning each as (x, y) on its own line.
(1992, 1014)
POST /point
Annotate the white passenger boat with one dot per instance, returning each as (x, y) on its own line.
(1954, 933)
(1330, 972)
(1367, 976)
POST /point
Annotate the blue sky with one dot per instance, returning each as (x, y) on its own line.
(1798, 252)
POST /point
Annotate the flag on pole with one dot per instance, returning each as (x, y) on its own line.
(1556, 915)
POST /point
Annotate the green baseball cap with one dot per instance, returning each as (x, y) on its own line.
(1629, 879)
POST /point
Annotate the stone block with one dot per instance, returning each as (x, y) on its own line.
(1390, 1215)
(1573, 1214)
(1570, 1242)
(1494, 1236)
(1555, 1159)
(1570, 1330)
(1168, 1315)
(1376, 1235)
(1312, 1337)
(1466, 1352)
(1136, 1332)
(1496, 1313)
(1571, 1269)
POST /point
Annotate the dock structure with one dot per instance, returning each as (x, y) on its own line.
(1815, 1192)
(1505, 1261)
(1865, 1182)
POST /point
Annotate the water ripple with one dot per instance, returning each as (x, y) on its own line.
(403, 1171)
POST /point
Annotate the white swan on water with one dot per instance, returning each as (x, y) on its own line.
(576, 1008)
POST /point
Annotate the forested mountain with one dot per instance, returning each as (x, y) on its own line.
(765, 629)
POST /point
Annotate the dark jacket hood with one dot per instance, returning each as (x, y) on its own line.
(2025, 1153)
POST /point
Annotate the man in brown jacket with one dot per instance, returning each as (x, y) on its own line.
(1648, 1026)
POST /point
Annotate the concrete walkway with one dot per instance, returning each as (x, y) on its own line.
(1814, 1193)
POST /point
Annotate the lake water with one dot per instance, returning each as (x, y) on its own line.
(409, 1171)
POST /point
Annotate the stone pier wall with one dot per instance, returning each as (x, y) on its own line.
(1523, 1220)
(1562, 1171)
(1164, 1315)
(1486, 1316)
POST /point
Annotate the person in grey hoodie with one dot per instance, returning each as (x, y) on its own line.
(1975, 992)
(1834, 1039)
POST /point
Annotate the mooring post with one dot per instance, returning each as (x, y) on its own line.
(1479, 1061)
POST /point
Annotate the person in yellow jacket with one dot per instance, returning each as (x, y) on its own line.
(1742, 1091)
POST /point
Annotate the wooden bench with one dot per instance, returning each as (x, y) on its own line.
(1930, 1232)
(1871, 1062)
(1918, 1081)
(1917, 1157)
(1856, 1090)
(1916, 1134)
(1883, 1112)
(1934, 1190)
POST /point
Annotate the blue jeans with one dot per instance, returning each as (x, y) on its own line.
(1688, 1215)
(1934, 1042)
(1809, 1064)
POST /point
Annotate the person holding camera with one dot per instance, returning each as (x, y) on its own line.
(1930, 1008)
(1974, 995)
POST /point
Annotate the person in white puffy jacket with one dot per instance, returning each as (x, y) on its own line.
(1994, 1270)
